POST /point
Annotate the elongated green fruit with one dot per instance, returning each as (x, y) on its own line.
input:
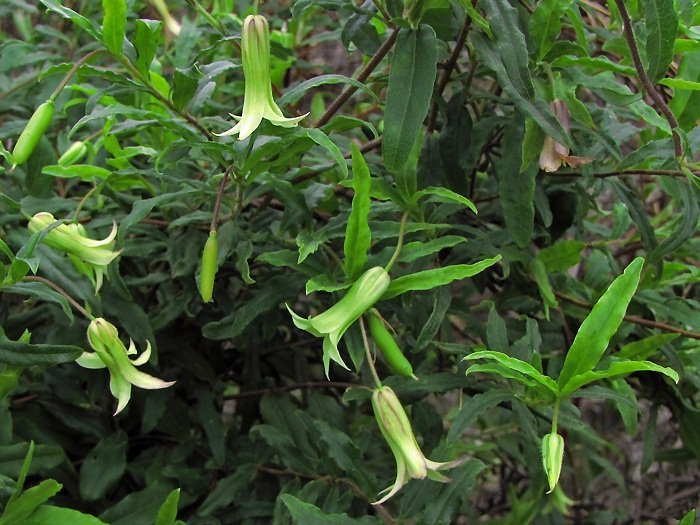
(387, 345)
(209, 267)
(73, 154)
(33, 131)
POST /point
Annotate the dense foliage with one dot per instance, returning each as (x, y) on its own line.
(444, 229)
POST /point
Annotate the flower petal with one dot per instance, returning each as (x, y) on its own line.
(90, 360)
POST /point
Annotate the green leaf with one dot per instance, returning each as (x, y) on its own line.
(443, 508)
(294, 94)
(74, 17)
(474, 407)
(523, 100)
(562, 255)
(643, 348)
(146, 43)
(688, 519)
(443, 299)
(320, 138)
(413, 70)
(13, 458)
(167, 514)
(357, 233)
(114, 25)
(686, 227)
(24, 505)
(511, 46)
(679, 83)
(638, 213)
(84, 172)
(413, 251)
(429, 279)
(307, 514)
(539, 271)
(184, 86)
(516, 188)
(661, 24)
(444, 195)
(516, 365)
(601, 324)
(43, 292)
(227, 489)
(104, 466)
(616, 368)
(545, 25)
(27, 354)
(49, 515)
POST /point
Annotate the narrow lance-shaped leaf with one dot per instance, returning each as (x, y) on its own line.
(429, 279)
(617, 368)
(601, 324)
(357, 233)
(661, 24)
(518, 366)
(413, 70)
(114, 25)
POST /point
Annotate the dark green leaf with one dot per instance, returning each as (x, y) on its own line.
(413, 70)
(474, 407)
(146, 43)
(103, 466)
(27, 354)
(661, 25)
(307, 514)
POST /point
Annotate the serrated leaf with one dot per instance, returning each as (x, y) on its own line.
(413, 71)
(429, 279)
(601, 324)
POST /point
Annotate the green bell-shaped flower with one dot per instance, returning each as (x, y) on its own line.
(89, 256)
(110, 352)
(332, 324)
(396, 429)
(258, 103)
(552, 458)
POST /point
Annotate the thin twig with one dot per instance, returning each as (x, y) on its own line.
(368, 354)
(618, 173)
(646, 82)
(635, 319)
(296, 386)
(364, 74)
(60, 290)
(64, 81)
(447, 72)
(219, 197)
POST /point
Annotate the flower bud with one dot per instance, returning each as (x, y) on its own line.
(552, 458)
(75, 153)
(209, 267)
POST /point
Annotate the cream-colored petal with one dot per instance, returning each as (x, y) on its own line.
(90, 360)
(121, 389)
(144, 357)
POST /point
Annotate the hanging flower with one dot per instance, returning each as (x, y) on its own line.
(396, 429)
(332, 324)
(110, 352)
(258, 102)
(89, 256)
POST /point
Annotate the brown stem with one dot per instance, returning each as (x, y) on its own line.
(60, 290)
(616, 173)
(296, 386)
(364, 74)
(219, 197)
(449, 67)
(635, 319)
(646, 82)
(356, 490)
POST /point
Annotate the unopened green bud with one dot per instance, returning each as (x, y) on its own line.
(552, 458)
(33, 131)
(209, 267)
(75, 153)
